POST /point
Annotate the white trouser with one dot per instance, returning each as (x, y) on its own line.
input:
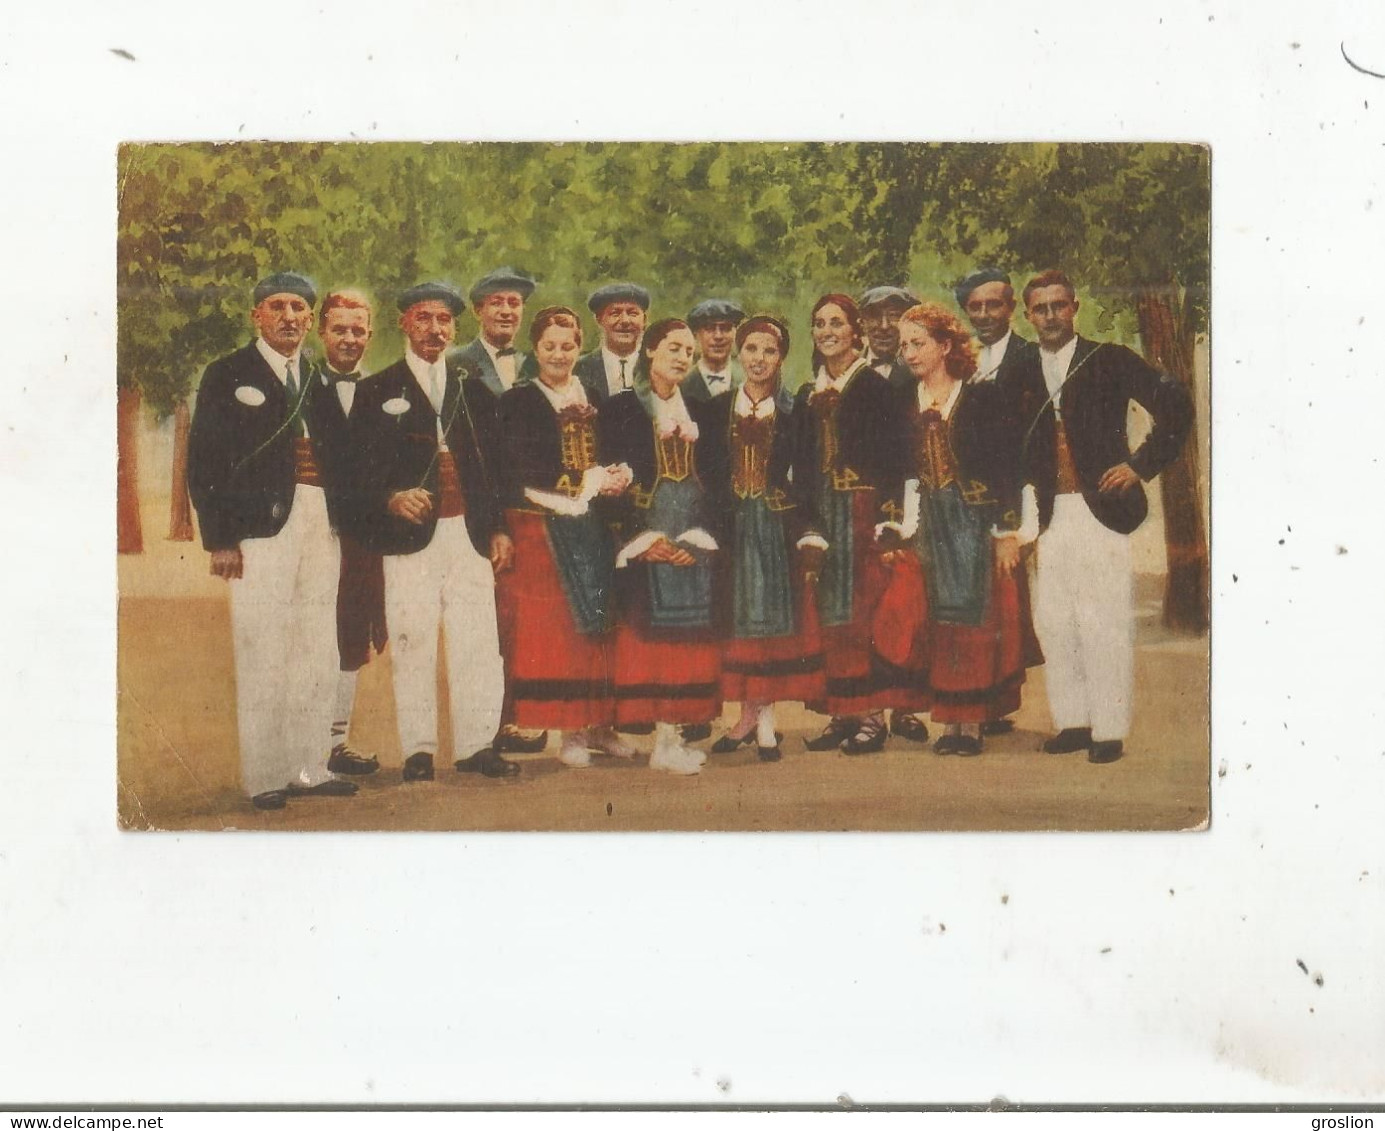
(447, 584)
(1084, 615)
(284, 624)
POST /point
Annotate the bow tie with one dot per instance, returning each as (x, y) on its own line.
(508, 351)
(341, 378)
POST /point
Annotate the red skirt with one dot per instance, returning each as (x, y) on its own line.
(857, 683)
(662, 681)
(556, 676)
(778, 667)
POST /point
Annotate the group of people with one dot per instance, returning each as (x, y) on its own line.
(618, 541)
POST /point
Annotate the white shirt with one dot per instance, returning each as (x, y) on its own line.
(281, 365)
(570, 394)
(882, 365)
(505, 367)
(1056, 365)
(945, 409)
(826, 381)
(717, 383)
(346, 390)
(432, 377)
(746, 407)
(612, 363)
(671, 416)
(988, 364)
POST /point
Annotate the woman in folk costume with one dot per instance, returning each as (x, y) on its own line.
(852, 439)
(962, 508)
(555, 481)
(775, 548)
(667, 657)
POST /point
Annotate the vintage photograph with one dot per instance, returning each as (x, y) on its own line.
(663, 486)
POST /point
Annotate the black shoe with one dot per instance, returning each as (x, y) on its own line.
(728, 745)
(833, 734)
(868, 739)
(344, 760)
(511, 740)
(332, 787)
(768, 753)
(1108, 751)
(909, 726)
(998, 726)
(967, 745)
(487, 762)
(271, 799)
(946, 744)
(418, 767)
(695, 732)
(635, 728)
(1069, 740)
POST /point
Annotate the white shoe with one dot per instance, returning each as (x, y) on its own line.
(574, 752)
(676, 760)
(607, 741)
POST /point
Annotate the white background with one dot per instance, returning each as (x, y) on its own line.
(365, 968)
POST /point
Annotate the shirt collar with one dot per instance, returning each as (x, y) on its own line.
(746, 407)
(945, 411)
(570, 394)
(1063, 357)
(838, 384)
(276, 361)
(494, 351)
(422, 370)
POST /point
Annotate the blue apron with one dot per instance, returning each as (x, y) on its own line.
(582, 553)
(763, 601)
(680, 597)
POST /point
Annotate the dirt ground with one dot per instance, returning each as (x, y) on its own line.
(178, 762)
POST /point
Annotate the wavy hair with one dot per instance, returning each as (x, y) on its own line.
(943, 326)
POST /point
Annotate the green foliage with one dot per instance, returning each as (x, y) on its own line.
(772, 225)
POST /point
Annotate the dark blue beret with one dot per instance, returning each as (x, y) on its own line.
(286, 283)
(602, 297)
(502, 279)
(434, 291)
(714, 310)
(977, 278)
(878, 295)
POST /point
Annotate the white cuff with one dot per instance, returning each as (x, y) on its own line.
(636, 546)
(1029, 515)
(699, 538)
(910, 525)
(556, 502)
(812, 540)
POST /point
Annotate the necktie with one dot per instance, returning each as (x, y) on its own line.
(295, 398)
(624, 382)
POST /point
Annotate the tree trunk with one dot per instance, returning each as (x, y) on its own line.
(1168, 344)
(129, 537)
(180, 506)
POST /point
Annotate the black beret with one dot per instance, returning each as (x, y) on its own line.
(433, 292)
(602, 297)
(977, 278)
(286, 283)
(502, 279)
(714, 310)
(876, 296)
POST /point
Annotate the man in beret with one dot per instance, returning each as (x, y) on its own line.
(881, 308)
(429, 504)
(498, 301)
(988, 301)
(713, 323)
(263, 492)
(620, 310)
(1088, 490)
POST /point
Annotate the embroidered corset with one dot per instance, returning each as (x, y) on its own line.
(577, 433)
(673, 460)
(751, 440)
(824, 407)
(936, 462)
